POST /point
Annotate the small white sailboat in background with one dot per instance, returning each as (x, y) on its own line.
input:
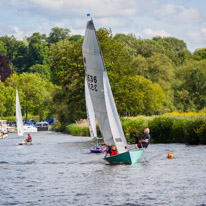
(19, 121)
(102, 99)
(3, 129)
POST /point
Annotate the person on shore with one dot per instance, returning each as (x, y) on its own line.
(144, 141)
(29, 138)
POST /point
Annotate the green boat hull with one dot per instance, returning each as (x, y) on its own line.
(130, 157)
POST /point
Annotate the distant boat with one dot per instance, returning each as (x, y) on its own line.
(3, 129)
(3, 135)
(29, 128)
(19, 121)
(42, 126)
(102, 100)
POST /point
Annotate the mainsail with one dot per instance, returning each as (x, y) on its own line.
(90, 112)
(100, 91)
(19, 121)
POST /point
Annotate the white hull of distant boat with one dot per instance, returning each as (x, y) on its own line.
(29, 129)
(3, 136)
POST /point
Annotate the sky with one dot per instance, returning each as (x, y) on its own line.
(183, 19)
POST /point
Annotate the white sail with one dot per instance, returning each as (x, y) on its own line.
(90, 112)
(19, 120)
(95, 70)
(115, 124)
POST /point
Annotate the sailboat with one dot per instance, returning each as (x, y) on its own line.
(3, 129)
(102, 99)
(91, 120)
(19, 121)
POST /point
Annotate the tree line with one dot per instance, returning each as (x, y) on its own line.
(147, 76)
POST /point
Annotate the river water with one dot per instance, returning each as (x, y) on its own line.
(59, 170)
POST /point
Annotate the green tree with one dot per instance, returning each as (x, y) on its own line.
(199, 54)
(136, 95)
(2, 99)
(35, 93)
(5, 70)
(16, 51)
(3, 50)
(37, 50)
(159, 69)
(41, 69)
(76, 38)
(191, 77)
(58, 34)
(174, 48)
(10, 99)
(68, 72)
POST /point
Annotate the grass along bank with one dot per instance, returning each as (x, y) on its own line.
(187, 128)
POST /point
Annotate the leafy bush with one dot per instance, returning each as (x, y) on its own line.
(76, 130)
(188, 129)
(133, 127)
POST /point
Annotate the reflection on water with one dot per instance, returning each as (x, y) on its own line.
(58, 169)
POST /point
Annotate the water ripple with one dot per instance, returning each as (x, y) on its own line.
(58, 169)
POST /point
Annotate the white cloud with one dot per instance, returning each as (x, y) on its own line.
(195, 36)
(203, 31)
(111, 22)
(179, 13)
(17, 32)
(78, 31)
(63, 8)
(151, 33)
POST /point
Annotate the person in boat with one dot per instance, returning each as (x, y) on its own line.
(105, 148)
(112, 151)
(29, 138)
(144, 141)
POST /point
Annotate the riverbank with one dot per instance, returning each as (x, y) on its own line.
(187, 128)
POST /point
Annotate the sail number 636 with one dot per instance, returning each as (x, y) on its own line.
(92, 80)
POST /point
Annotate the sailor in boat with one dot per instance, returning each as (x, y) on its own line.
(29, 138)
(145, 140)
(112, 151)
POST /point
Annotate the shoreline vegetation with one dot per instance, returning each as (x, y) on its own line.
(148, 77)
(188, 128)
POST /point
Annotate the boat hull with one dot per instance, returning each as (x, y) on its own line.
(3, 136)
(25, 143)
(29, 129)
(130, 157)
(96, 150)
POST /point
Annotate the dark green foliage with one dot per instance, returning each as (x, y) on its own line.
(161, 129)
(178, 129)
(133, 128)
(199, 54)
(67, 67)
(76, 38)
(57, 34)
(147, 76)
(5, 70)
(37, 49)
(44, 70)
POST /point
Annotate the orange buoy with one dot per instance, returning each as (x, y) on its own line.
(170, 155)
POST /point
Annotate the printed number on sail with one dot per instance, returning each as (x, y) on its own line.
(92, 80)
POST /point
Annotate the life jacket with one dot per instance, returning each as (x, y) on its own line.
(29, 138)
(113, 152)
